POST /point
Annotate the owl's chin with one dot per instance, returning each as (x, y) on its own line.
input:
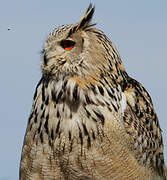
(58, 75)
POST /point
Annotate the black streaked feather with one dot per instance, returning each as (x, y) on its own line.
(100, 116)
(58, 126)
(35, 94)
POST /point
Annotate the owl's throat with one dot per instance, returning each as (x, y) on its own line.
(71, 107)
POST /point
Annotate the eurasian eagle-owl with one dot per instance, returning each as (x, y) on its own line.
(89, 118)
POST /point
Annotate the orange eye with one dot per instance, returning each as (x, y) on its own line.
(67, 44)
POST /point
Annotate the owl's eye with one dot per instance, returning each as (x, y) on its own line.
(67, 44)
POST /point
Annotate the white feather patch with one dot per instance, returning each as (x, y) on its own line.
(123, 103)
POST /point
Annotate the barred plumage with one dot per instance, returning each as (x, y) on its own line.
(89, 119)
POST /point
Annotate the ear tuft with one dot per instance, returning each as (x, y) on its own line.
(86, 18)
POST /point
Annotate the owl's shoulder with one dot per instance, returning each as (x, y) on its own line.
(142, 124)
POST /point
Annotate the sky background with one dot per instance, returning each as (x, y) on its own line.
(137, 28)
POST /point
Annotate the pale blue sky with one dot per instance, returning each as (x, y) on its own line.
(137, 28)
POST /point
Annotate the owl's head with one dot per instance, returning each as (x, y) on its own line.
(79, 49)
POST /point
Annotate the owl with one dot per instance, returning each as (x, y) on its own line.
(89, 119)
